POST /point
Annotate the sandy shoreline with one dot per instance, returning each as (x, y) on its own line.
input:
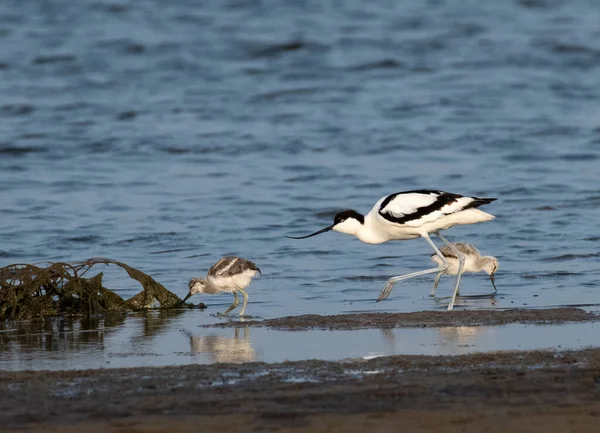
(529, 391)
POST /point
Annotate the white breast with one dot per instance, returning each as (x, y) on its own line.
(233, 283)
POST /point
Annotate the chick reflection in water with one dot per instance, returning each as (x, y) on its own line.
(467, 339)
(224, 349)
(228, 275)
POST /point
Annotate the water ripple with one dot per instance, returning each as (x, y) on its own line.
(198, 129)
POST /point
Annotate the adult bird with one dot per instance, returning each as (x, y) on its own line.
(229, 275)
(410, 215)
(474, 262)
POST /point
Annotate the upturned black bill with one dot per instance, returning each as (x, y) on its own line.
(326, 229)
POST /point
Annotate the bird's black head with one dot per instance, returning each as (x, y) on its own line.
(347, 214)
(338, 224)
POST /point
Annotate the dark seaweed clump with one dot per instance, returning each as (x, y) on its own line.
(64, 289)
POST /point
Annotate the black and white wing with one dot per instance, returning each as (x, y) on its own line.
(415, 208)
(230, 266)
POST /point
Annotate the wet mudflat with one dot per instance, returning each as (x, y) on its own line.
(188, 337)
(526, 390)
(418, 319)
(536, 391)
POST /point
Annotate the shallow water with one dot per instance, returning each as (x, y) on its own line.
(167, 135)
(174, 338)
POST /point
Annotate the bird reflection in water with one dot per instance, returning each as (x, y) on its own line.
(389, 338)
(223, 349)
(460, 337)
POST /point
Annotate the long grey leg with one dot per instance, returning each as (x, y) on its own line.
(236, 302)
(245, 301)
(435, 283)
(390, 284)
(461, 264)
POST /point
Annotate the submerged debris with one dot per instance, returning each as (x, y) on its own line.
(61, 288)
